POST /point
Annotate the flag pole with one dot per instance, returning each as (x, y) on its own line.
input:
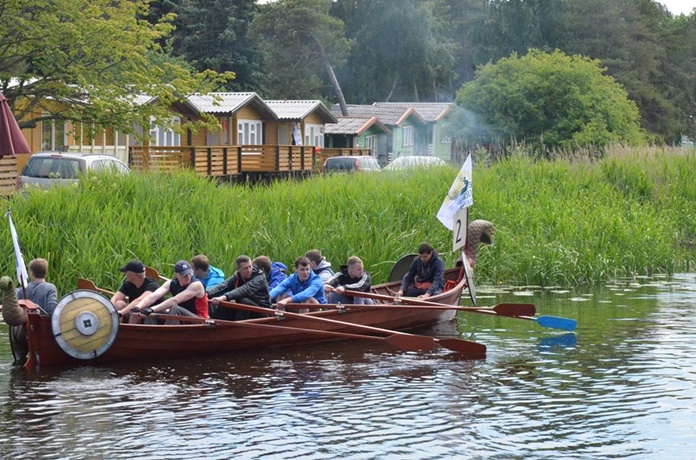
(19, 258)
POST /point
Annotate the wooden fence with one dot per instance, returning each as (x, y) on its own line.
(228, 161)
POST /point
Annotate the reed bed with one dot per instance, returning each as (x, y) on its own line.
(559, 222)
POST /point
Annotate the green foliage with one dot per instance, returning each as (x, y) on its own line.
(299, 40)
(551, 101)
(212, 34)
(557, 222)
(96, 56)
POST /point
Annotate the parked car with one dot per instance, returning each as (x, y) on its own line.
(414, 161)
(45, 169)
(351, 164)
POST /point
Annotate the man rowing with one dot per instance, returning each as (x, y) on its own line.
(188, 297)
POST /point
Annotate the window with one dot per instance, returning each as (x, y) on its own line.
(53, 135)
(249, 132)
(165, 137)
(314, 135)
(371, 143)
(408, 136)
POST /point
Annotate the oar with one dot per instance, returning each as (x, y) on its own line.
(503, 309)
(395, 340)
(459, 345)
(90, 286)
(154, 274)
(552, 322)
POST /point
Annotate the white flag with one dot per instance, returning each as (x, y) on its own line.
(22, 275)
(460, 196)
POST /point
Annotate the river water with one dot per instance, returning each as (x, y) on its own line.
(622, 386)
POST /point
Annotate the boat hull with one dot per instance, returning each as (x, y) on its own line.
(151, 342)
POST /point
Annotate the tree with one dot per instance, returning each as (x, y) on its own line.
(401, 52)
(551, 101)
(212, 34)
(300, 41)
(98, 57)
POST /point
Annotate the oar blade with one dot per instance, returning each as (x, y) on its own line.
(473, 349)
(86, 284)
(411, 342)
(555, 322)
(515, 309)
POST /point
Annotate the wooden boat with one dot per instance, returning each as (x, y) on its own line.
(93, 335)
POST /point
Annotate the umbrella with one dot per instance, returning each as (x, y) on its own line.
(11, 138)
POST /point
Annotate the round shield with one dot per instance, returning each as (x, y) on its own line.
(401, 267)
(85, 324)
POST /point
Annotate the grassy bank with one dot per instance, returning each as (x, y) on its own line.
(557, 222)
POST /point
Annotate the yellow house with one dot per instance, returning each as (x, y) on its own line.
(300, 122)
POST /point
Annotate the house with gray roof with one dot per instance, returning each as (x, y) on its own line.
(241, 115)
(299, 122)
(417, 128)
(359, 132)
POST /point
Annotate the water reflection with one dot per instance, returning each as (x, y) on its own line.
(620, 387)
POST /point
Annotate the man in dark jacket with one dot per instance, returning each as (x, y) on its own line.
(352, 277)
(426, 276)
(248, 285)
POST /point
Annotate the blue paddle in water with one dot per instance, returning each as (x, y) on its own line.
(553, 322)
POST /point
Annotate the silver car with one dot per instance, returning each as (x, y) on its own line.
(45, 169)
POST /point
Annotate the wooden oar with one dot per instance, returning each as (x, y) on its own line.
(154, 274)
(458, 345)
(552, 322)
(513, 310)
(395, 340)
(504, 309)
(90, 286)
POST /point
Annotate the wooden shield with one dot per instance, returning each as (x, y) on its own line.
(85, 324)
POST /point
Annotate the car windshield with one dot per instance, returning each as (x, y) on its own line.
(53, 167)
(340, 163)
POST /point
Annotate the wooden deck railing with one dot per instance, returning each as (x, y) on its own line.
(222, 161)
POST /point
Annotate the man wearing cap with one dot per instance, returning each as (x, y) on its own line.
(188, 297)
(134, 288)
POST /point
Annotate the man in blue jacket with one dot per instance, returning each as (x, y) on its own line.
(305, 286)
(426, 276)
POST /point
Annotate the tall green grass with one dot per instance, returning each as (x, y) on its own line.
(560, 222)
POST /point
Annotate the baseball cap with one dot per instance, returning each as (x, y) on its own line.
(134, 266)
(183, 268)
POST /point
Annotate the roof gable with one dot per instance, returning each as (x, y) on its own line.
(429, 111)
(296, 110)
(230, 103)
(389, 115)
(354, 125)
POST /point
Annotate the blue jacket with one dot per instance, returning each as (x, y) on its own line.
(215, 277)
(313, 287)
(278, 274)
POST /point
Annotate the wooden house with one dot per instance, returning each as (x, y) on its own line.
(407, 128)
(359, 133)
(301, 122)
(438, 141)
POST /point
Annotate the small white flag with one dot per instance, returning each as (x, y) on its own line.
(22, 275)
(460, 196)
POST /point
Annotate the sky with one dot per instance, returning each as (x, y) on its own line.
(679, 6)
